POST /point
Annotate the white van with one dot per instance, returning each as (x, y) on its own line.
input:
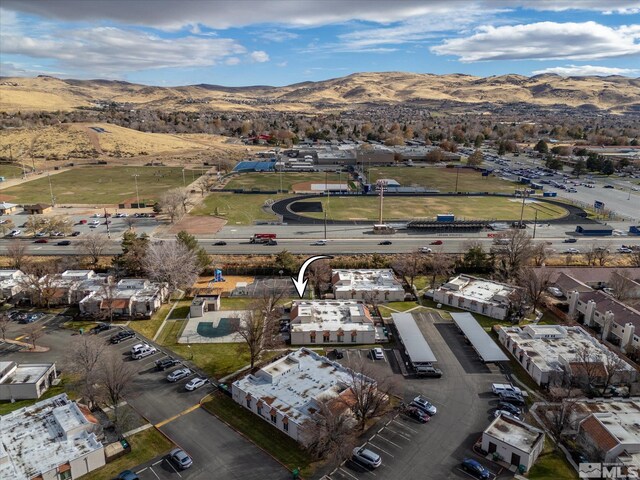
(498, 388)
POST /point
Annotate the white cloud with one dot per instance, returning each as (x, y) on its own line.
(232, 61)
(585, 70)
(259, 56)
(544, 41)
(282, 64)
(109, 51)
(278, 36)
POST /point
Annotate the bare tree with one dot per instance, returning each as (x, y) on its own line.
(589, 365)
(369, 392)
(93, 246)
(561, 415)
(634, 257)
(329, 432)
(116, 377)
(534, 283)
(17, 252)
(108, 293)
(86, 359)
(539, 254)
(204, 183)
(438, 265)
(319, 274)
(58, 223)
(613, 366)
(171, 203)
(130, 222)
(34, 332)
(513, 251)
(6, 226)
(622, 285)
(5, 321)
(602, 255)
(34, 224)
(171, 262)
(409, 266)
(40, 282)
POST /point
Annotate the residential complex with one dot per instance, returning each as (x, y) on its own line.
(288, 392)
(53, 439)
(373, 285)
(19, 381)
(130, 297)
(513, 441)
(331, 321)
(549, 352)
(10, 283)
(477, 295)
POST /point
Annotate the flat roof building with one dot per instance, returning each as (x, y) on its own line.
(416, 346)
(10, 285)
(25, 381)
(546, 352)
(49, 439)
(288, 392)
(331, 321)
(378, 285)
(515, 442)
(486, 297)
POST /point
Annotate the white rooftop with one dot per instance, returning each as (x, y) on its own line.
(622, 420)
(372, 279)
(514, 432)
(330, 315)
(26, 373)
(39, 438)
(10, 274)
(293, 384)
(546, 345)
(478, 289)
(78, 274)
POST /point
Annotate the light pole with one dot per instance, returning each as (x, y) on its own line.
(53, 199)
(524, 197)
(135, 178)
(184, 182)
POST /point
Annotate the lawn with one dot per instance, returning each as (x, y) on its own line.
(551, 465)
(76, 325)
(281, 446)
(235, 303)
(216, 359)
(146, 445)
(270, 181)
(7, 407)
(182, 310)
(100, 185)
(443, 179)
(10, 171)
(237, 209)
(402, 208)
(149, 327)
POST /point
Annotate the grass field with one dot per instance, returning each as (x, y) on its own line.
(271, 180)
(465, 208)
(62, 387)
(100, 185)
(443, 179)
(10, 171)
(551, 465)
(237, 209)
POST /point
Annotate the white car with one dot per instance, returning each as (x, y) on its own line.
(319, 242)
(15, 233)
(505, 413)
(571, 250)
(195, 383)
(144, 352)
(137, 347)
(97, 215)
(377, 353)
(425, 250)
(625, 250)
(556, 292)
(94, 222)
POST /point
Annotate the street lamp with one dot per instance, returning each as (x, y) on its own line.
(135, 177)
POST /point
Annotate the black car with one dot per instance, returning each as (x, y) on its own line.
(508, 407)
(122, 336)
(220, 243)
(511, 397)
(165, 363)
(570, 240)
(608, 186)
(271, 242)
(64, 243)
(101, 327)
(338, 353)
(75, 234)
(385, 242)
(428, 371)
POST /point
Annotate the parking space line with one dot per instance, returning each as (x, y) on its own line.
(404, 426)
(171, 419)
(380, 448)
(389, 441)
(403, 435)
(174, 468)
(154, 472)
(344, 471)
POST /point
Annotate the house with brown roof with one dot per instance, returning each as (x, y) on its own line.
(37, 209)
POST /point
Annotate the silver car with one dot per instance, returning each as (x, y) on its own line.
(178, 374)
(366, 457)
(180, 458)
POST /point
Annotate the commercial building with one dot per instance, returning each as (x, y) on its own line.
(618, 322)
(10, 285)
(289, 392)
(25, 381)
(53, 439)
(373, 285)
(611, 432)
(331, 321)
(595, 230)
(477, 295)
(513, 441)
(549, 352)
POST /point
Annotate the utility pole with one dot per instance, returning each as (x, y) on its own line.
(535, 222)
(184, 182)
(381, 184)
(524, 197)
(53, 200)
(135, 178)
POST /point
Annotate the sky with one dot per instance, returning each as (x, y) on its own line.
(281, 42)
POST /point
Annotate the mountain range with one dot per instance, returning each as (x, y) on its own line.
(456, 92)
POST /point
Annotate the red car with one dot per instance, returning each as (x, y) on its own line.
(41, 240)
(417, 414)
(436, 242)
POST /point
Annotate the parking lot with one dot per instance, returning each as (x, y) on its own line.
(463, 397)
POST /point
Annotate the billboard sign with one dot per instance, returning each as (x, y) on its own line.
(598, 205)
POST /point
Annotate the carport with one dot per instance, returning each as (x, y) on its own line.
(414, 342)
(483, 344)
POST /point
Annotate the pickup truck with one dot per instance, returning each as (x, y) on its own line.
(496, 388)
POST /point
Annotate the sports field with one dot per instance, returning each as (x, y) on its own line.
(270, 181)
(443, 179)
(406, 208)
(237, 208)
(10, 171)
(100, 185)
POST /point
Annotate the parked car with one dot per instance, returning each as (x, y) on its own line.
(220, 244)
(180, 458)
(475, 469)
(178, 374)
(144, 352)
(121, 336)
(428, 371)
(127, 475)
(377, 354)
(417, 414)
(509, 408)
(75, 234)
(94, 222)
(101, 327)
(511, 397)
(498, 388)
(424, 405)
(338, 354)
(64, 243)
(195, 383)
(366, 457)
(555, 291)
(436, 242)
(624, 250)
(137, 347)
(507, 413)
(15, 233)
(165, 363)
(385, 242)
(608, 186)
(41, 240)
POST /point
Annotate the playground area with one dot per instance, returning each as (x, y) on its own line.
(213, 327)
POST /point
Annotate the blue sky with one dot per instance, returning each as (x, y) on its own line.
(280, 42)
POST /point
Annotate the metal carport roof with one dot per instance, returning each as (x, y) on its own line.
(488, 350)
(414, 342)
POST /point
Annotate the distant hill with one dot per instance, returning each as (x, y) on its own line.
(361, 90)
